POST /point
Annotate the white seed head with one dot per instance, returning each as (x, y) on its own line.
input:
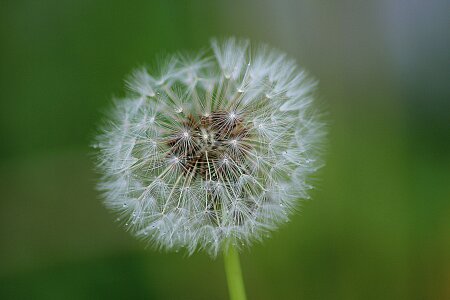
(213, 150)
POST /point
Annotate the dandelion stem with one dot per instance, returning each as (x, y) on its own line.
(234, 274)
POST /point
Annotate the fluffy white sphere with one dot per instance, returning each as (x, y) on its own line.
(214, 149)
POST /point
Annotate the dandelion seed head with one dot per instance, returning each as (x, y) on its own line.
(212, 149)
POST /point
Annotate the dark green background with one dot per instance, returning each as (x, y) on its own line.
(379, 224)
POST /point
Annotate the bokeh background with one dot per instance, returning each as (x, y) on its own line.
(379, 224)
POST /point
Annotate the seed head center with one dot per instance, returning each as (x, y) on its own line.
(208, 144)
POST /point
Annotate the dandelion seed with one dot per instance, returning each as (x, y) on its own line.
(213, 150)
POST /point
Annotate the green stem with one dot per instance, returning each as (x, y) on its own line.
(234, 274)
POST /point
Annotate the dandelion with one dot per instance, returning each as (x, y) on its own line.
(213, 152)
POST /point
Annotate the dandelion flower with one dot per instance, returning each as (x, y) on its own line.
(213, 150)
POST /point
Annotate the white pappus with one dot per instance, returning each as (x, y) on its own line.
(212, 150)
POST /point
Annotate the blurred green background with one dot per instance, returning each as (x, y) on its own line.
(379, 224)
